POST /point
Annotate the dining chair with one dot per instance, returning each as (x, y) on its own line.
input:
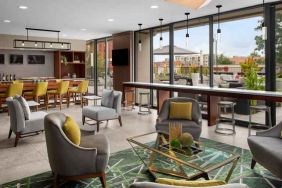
(80, 90)
(39, 92)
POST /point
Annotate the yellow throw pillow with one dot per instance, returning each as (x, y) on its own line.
(72, 130)
(207, 183)
(180, 110)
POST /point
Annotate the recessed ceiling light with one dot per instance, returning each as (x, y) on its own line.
(23, 7)
(6, 21)
(111, 20)
(83, 29)
(154, 6)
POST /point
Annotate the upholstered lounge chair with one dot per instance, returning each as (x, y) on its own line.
(266, 148)
(102, 112)
(194, 126)
(69, 161)
(19, 125)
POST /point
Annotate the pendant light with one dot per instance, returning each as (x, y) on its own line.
(263, 26)
(187, 26)
(161, 37)
(218, 23)
(139, 42)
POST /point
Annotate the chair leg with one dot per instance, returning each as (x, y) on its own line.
(47, 102)
(103, 180)
(56, 181)
(81, 100)
(55, 100)
(10, 133)
(83, 120)
(68, 100)
(60, 98)
(253, 164)
(36, 100)
(120, 122)
(98, 124)
(17, 139)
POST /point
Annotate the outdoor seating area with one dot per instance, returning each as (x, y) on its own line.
(141, 94)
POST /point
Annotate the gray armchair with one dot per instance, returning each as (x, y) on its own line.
(104, 113)
(156, 185)
(19, 125)
(193, 127)
(266, 148)
(69, 161)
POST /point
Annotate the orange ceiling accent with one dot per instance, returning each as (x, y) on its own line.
(194, 4)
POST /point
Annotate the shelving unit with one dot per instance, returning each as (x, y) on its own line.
(75, 64)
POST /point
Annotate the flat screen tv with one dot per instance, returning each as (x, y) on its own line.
(120, 57)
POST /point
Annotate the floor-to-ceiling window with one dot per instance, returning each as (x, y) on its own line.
(240, 60)
(109, 67)
(89, 65)
(191, 55)
(101, 65)
(278, 38)
(160, 58)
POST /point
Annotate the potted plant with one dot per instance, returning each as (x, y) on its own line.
(195, 75)
(64, 60)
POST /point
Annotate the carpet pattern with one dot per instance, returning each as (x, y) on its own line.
(125, 168)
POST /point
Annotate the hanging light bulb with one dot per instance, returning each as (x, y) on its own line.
(62, 45)
(187, 26)
(218, 24)
(139, 42)
(161, 37)
(22, 43)
(264, 28)
(51, 45)
(35, 44)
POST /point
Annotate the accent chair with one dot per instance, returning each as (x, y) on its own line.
(69, 161)
(18, 123)
(266, 147)
(194, 126)
(109, 109)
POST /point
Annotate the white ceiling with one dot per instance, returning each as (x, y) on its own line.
(70, 16)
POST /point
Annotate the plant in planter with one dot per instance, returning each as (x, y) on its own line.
(64, 60)
(252, 81)
(195, 74)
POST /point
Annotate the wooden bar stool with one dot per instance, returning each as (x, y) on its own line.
(61, 92)
(39, 92)
(13, 90)
(220, 119)
(81, 90)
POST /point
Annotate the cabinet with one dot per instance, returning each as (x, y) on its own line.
(69, 63)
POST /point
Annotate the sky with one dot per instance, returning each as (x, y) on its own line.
(237, 38)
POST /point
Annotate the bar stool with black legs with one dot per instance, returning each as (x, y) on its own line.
(259, 108)
(225, 120)
(146, 105)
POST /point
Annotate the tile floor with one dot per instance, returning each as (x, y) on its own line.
(30, 156)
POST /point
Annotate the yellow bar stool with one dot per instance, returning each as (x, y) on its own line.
(80, 90)
(13, 90)
(39, 92)
(61, 92)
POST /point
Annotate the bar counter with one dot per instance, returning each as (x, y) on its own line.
(213, 94)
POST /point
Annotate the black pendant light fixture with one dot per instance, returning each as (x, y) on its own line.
(139, 42)
(187, 27)
(161, 37)
(218, 24)
(41, 44)
(263, 26)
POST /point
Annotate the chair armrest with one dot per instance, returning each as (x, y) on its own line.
(272, 132)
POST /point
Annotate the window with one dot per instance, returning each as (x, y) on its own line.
(109, 75)
(101, 65)
(89, 66)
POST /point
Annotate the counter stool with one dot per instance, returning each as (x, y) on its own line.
(129, 99)
(146, 105)
(259, 108)
(221, 130)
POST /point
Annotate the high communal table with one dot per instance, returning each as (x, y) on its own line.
(213, 94)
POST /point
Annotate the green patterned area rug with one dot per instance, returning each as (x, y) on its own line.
(125, 168)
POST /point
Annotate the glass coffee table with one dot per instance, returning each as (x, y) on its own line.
(198, 163)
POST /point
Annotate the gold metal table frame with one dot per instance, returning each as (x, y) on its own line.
(155, 150)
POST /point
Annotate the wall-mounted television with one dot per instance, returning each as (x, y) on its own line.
(120, 57)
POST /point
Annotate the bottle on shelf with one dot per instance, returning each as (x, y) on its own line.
(7, 77)
(11, 77)
(14, 77)
(3, 77)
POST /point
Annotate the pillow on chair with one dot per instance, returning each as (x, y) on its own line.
(24, 105)
(72, 130)
(108, 98)
(180, 110)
